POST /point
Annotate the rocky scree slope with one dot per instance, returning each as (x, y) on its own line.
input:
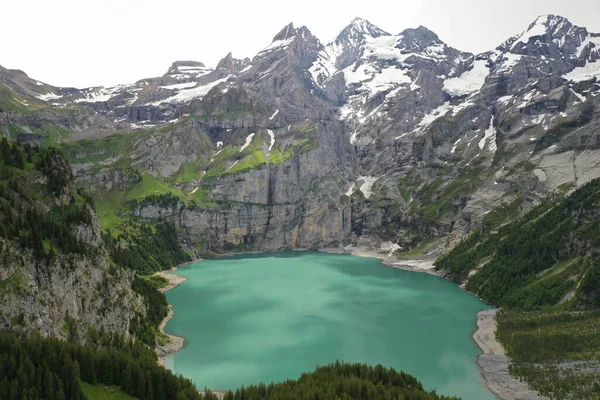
(371, 138)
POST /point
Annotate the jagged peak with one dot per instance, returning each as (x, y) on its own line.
(291, 36)
(545, 24)
(286, 33)
(225, 61)
(545, 29)
(232, 64)
(358, 29)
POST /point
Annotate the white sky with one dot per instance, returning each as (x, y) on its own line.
(104, 42)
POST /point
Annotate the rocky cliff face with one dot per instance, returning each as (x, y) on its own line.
(374, 136)
(55, 276)
(65, 298)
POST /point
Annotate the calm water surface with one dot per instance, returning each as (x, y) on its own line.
(274, 316)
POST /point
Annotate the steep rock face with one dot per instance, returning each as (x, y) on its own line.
(345, 50)
(297, 203)
(66, 298)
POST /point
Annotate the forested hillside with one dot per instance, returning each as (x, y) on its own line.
(544, 270)
(38, 368)
(548, 257)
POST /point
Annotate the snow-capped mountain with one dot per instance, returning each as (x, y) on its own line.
(401, 134)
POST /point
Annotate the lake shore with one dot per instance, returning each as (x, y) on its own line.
(175, 342)
(417, 265)
(493, 363)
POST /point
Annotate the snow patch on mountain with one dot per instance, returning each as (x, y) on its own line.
(367, 185)
(538, 28)
(101, 94)
(470, 81)
(351, 189)
(489, 138)
(374, 80)
(188, 95)
(588, 72)
(272, 135)
(325, 66)
(179, 86)
(49, 96)
(506, 62)
(276, 45)
(436, 113)
(248, 141)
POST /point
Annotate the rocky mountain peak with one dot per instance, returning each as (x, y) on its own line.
(175, 67)
(184, 71)
(298, 45)
(549, 35)
(418, 39)
(345, 50)
(358, 30)
(232, 65)
(286, 33)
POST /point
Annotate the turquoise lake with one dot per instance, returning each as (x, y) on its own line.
(271, 317)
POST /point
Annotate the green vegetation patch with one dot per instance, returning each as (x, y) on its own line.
(151, 186)
(14, 102)
(189, 171)
(502, 214)
(110, 368)
(103, 392)
(254, 160)
(95, 150)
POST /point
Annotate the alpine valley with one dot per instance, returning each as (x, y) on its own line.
(394, 144)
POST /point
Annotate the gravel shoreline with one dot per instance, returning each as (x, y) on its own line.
(423, 265)
(175, 342)
(493, 363)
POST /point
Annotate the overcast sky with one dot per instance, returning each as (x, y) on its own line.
(104, 42)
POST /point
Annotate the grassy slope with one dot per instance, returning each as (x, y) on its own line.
(103, 392)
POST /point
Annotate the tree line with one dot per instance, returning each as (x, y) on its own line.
(43, 368)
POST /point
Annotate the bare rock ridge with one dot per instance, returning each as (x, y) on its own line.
(372, 138)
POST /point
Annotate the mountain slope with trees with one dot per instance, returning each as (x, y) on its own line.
(543, 270)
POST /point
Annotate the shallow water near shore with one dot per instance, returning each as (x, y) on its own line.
(271, 317)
